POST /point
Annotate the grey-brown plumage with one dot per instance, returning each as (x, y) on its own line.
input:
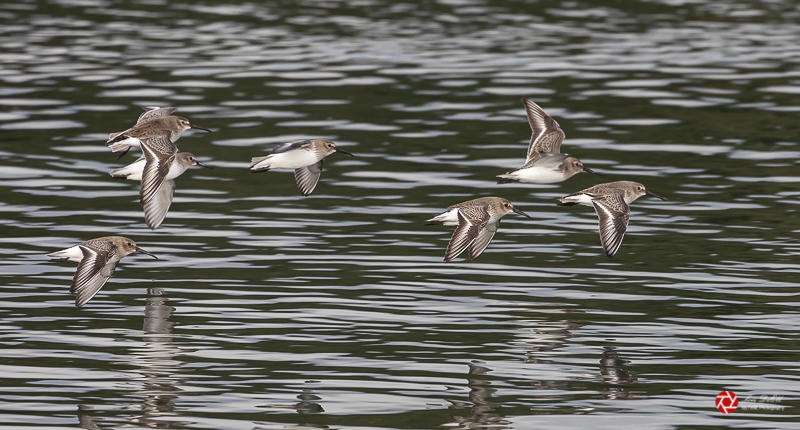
(610, 202)
(153, 123)
(546, 134)
(97, 260)
(545, 164)
(476, 223)
(163, 163)
(304, 156)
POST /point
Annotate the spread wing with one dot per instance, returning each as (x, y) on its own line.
(546, 134)
(471, 220)
(159, 153)
(482, 241)
(93, 272)
(284, 147)
(155, 112)
(155, 209)
(613, 214)
(308, 177)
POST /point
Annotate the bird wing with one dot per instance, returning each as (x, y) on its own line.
(546, 134)
(482, 240)
(285, 147)
(308, 177)
(152, 112)
(95, 268)
(159, 153)
(155, 209)
(469, 226)
(613, 213)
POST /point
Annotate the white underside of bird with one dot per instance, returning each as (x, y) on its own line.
(293, 159)
(450, 218)
(536, 175)
(135, 170)
(72, 253)
(581, 199)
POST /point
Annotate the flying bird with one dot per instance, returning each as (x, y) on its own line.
(304, 156)
(477, 221)
(154, 122)
(156, 169)
(97, 260)
(610, 201)
(545, 163)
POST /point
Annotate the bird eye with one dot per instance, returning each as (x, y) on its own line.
(130, 243)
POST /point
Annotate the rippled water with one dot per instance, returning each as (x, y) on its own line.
(270, 310)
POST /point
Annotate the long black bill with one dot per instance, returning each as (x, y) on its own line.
(140, 250)
(200, 128)
(654, 195)
(588, 170)
(204, 165)
(345, 153)
(522, 213)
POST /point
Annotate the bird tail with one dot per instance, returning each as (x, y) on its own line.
(568, 200)
(507, 177)
(257, 164)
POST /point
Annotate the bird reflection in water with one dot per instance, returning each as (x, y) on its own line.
(616, 375)
(308, 403)
(483, 412)
(155, 360)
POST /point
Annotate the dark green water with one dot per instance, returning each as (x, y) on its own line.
(269, 310)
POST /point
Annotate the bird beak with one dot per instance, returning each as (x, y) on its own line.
(345, 153)
(522, 213)
(654, 195)
(203, 165)
(588, 170)
(199, 128)
(140, 250)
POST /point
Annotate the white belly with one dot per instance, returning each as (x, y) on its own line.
(449, 218)
(289, 160)
(72, 253)
(539, 175)
(581, 199)
(135, 170)
(175, 170)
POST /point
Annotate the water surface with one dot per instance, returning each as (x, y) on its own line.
(271, 310)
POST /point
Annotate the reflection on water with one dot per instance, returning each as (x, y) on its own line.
(335, 310)
(483, 409)
(616, 375)
(155, 361)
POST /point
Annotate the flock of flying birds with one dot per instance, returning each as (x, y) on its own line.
(476, 221)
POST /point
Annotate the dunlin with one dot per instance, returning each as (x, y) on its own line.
(545, 163)
(304, 156)
(156, 170)
(98, 258)
(155, 122)
(477, 222)
(611, 202)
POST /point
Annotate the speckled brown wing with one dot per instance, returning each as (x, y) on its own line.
(159, 154)
(613, 213)
(153, 112)
(480, 243)
(471, 220)
(546, 134)
(100, 258)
